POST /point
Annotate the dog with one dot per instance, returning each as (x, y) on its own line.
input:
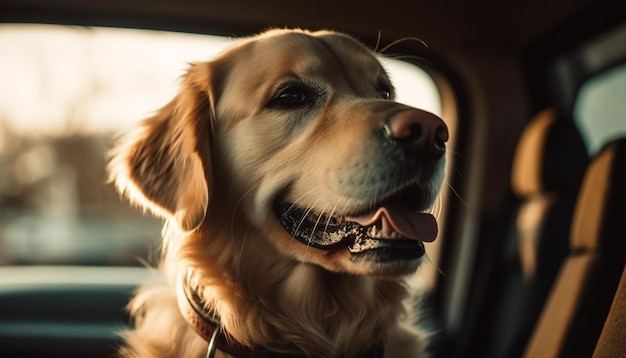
(295, 193)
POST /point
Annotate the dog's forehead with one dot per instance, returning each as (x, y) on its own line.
(297, 53)
(328, 51)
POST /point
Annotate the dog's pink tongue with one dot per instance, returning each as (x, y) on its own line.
(406, 222)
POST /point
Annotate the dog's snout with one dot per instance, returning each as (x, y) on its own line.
(418, 132)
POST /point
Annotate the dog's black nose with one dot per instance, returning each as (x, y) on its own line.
(418, 132)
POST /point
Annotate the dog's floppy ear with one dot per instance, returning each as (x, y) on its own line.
(165, 166)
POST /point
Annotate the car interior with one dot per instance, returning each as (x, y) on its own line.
(530, 260)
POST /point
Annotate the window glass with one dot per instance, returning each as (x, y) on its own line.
(600, 108)
(65, 93)
(414, 86)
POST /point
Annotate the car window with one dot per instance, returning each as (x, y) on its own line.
(65, 94)
(600, 108)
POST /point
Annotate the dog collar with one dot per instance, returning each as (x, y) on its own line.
(205, 326)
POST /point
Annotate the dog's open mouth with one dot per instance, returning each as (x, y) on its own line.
(392, 231)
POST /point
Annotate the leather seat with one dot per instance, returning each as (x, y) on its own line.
(573, 317)
(611, 343)
(536, 242)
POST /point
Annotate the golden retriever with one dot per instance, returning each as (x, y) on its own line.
(294, 190)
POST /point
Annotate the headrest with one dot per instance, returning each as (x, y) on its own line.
(550, 156)
(600, 216)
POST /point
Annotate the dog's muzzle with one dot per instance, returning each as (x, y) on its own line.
(392, 228)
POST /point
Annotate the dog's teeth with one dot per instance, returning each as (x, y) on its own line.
(377, 233)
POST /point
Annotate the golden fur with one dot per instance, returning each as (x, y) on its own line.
(215, 161)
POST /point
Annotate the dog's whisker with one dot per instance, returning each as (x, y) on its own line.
(377, 290)
(329, 218)
(404, 39)
(241, 249)
(310, 240)
(378, 38)
(294, 205)
(457, 195)
(304, 216)
(319, 218)
(453, 167)
(437, 268)
(234, 213)
(437, 207)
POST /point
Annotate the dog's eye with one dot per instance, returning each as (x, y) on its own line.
(290, 96)
(384, 90)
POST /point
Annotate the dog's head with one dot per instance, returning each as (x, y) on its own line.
(294, 136)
